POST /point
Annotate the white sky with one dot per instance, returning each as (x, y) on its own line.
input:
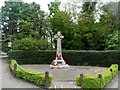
(44, 3)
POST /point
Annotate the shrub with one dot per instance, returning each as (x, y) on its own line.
(32, 57)
(35, 77)
(94, 81)
(72, 57)
(112, 42)
(5, 47)
(30, 43)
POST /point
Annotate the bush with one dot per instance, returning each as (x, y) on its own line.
(91, 58)
(94, 81)
(30, 43)
(5, 47)
(35, 77)
(112, 42)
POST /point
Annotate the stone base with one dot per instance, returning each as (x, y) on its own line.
(59, 64)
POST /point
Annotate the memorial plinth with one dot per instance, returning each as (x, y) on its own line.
(59, 62)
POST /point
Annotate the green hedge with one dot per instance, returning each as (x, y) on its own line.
(35, 77)
(94, 81)
(73, 57)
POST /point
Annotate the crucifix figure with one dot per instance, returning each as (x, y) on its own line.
(59, 37)
(59, 62)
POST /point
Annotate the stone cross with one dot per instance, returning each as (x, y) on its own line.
(59, 37)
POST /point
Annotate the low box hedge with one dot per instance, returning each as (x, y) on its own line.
(72, 57)
(29, 75)
(93, 82)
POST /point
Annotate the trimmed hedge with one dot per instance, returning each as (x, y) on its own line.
(34, 77)
(94, 81)
(72, 57)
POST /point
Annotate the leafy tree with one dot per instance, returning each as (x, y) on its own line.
(10, 16)
(62, 22)
(87, 30)
(89, 7)
(30, 43)
(22, 21)
(54, 7)
(18, 21)
(38, 20)
(87, 27)
(109, 26)
(95, 35)
(112, 41)
(33, 22)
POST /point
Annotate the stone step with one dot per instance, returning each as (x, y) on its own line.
(62, 85)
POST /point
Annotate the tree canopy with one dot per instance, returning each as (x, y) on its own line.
(82, 30)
